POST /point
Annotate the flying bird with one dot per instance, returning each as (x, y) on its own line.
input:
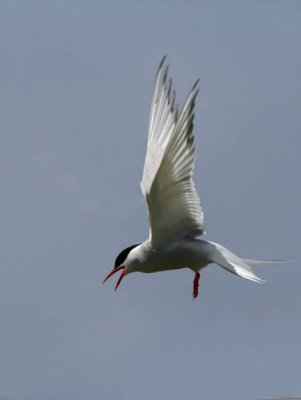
(175, 214)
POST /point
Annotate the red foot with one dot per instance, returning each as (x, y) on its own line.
(196, 284)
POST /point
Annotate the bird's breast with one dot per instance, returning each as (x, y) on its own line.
(184, 254)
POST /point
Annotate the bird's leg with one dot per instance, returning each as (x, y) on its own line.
(196, 285)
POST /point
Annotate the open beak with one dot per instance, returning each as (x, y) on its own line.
(114, 272)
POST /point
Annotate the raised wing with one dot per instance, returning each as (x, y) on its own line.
(173, 203)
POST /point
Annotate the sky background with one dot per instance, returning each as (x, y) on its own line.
(76, 80)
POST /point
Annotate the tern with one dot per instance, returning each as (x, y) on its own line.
(175, 214)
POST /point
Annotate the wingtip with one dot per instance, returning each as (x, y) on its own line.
(193, 92)
(161, 66)
(162, 61)
(196, 84)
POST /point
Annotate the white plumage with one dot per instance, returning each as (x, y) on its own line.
(175, 215)
(173, 203)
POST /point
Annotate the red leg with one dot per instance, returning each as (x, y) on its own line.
(196, 284)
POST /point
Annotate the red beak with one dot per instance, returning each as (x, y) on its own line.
(114, 272)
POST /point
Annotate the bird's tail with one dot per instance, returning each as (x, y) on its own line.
(238, 266)
(255, 261)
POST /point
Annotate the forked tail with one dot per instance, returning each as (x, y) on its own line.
(238, 266)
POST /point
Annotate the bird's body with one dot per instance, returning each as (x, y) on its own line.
(185, 253)
(175, 214)
(194, 254)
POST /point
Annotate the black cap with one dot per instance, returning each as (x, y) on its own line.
(123, 255)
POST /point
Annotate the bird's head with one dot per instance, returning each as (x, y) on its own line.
(120, 264)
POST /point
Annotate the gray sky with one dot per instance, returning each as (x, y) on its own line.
(76, 80)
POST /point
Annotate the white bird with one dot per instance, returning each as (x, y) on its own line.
(175, 215)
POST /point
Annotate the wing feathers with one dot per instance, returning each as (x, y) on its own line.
(173, 204)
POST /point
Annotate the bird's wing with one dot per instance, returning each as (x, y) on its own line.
(173, 204)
